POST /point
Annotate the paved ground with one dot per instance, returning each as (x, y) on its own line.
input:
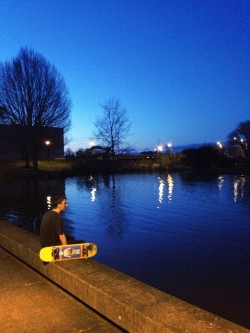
(30, 303)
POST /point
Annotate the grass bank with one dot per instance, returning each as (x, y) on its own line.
(64, 167)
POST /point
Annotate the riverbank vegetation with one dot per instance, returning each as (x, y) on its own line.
(204, 159)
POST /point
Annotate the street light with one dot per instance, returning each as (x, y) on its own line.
(169, 146)
(48, 143)
(219, 144)
(159, 148)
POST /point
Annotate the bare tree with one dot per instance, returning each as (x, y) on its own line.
(33, 96)
(240, 138)
(114, 127)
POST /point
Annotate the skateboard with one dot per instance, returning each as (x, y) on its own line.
(68, 252)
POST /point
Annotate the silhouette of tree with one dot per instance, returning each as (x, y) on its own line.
(33, 96)
(114, 127)
(203, 157)
(240, 138)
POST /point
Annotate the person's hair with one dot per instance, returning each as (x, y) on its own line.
(57, 199)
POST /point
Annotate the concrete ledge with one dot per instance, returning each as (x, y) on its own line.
(132, 305)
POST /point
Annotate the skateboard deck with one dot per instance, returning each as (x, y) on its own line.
(68, 252)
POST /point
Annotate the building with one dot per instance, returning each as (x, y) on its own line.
(51, 142)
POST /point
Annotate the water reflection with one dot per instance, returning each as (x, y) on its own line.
(23, 202)
(203, 238)
(238, 192)
(220, 183)
(111, 210)
(161, 190)
(103, 203)
(170, 187)
(93, 194)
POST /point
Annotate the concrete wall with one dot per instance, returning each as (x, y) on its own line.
(132, 305)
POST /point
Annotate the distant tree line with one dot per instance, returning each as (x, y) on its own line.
(234, 153)
(240, 138)
(205, 157)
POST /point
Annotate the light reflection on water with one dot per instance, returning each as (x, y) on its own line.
(188, 236)
(161, 189)
(170, 187)
(239, 188)
(169, 182)
(220, 184)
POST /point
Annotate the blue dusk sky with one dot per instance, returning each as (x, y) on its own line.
(181, 68)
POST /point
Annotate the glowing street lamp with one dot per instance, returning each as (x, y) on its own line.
(159, 148)
(169, 145)
(219, 144)
(48, 143)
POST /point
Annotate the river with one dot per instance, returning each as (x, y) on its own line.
(186, 235)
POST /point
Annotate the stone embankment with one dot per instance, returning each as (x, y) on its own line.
(128, 303)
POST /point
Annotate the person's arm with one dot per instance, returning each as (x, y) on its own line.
(63, 239)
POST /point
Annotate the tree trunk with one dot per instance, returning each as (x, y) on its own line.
(26, 160)
(35, 164)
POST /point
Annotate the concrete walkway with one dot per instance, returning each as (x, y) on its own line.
(30, 303)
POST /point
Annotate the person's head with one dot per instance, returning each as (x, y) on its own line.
(59, 202)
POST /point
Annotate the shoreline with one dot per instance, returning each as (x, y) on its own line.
(59, 169)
